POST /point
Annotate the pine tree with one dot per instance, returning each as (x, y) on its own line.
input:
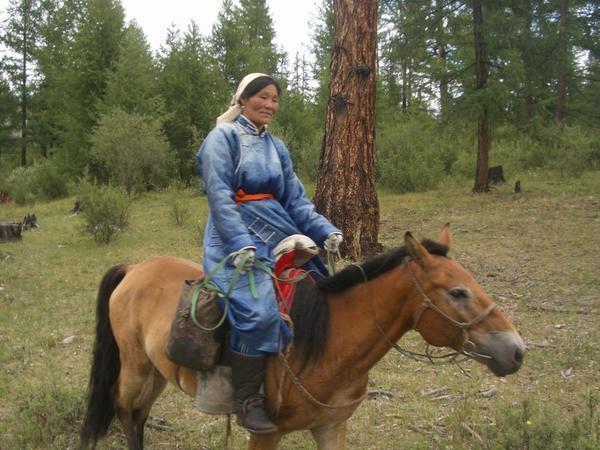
(52, 57)
(194, 91)
(321, 50)
(226, 43)
(21, 36)
(8, 119)
(258, 37)
(483, 120)
(132, 84)
(91, 59)
(243, 41)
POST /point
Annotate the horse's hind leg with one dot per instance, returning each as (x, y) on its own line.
(136, 393)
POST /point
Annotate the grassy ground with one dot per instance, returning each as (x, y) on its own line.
(535, 252)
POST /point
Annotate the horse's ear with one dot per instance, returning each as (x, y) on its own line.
(444, 236)
(416, 251)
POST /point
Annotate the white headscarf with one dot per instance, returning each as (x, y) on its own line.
(235, 108)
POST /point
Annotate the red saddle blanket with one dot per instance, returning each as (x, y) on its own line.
(285, 286)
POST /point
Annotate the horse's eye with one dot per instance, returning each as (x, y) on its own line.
(458, 293)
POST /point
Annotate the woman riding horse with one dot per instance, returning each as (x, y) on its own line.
(255, 201)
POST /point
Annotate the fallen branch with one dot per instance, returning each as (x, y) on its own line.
(545, 344)
(374, 393)
(159, 424)
(471, 431)
(561, 310)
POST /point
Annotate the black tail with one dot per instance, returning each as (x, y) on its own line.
(105, 365)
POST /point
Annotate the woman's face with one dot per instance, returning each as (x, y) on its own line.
(261, 107)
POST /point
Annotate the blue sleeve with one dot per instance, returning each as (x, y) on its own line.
(216, 164)
(297, 204)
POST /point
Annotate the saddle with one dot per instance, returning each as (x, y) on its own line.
(197, 339)
(199, 327)
(290, 255)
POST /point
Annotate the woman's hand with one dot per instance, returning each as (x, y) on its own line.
(244, 259)
(332, 243)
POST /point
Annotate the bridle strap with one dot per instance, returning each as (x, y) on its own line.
(428, 304)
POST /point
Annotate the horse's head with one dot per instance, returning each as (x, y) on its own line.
(454, 311)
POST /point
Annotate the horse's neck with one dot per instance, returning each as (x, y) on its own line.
(368, 318)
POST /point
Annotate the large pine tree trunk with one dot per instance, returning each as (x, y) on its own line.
(441, 54)
(529, 69)
(345, 191)
(24, 56)
(483, 125)
(561, 90)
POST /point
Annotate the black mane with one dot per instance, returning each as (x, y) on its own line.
(310, 312)
(372, 268)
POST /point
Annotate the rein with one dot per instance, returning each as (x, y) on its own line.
(428, 356)
(286, 364)
(283, 357)
(208, 285)
(428, 304)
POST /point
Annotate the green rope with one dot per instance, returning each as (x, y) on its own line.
(210, 286)
(262, 266)
(330, 263)
(195, 296)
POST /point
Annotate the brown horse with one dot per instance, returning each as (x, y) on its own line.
(343, 326)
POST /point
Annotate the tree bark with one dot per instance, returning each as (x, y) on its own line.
(345, 190)
(561, 89)
(483, 124)
(529, 70)
(440, 43)
(24, 55)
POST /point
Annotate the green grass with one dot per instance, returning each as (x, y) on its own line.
(535, 252)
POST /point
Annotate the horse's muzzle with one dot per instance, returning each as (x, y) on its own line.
(502, 352)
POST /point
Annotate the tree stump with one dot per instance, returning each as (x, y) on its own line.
(496, 175)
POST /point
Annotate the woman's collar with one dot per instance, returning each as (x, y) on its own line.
(249, 125)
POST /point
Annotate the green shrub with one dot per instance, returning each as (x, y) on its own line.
(179, 209)
(410, 157)
(570, 151)
(48, 181)
(579, 151)
(301, 129)
(8, 162)
(131, 151)
(532, 426)
(43, 180)
(20, 186)
(180, 212)
(105, 210)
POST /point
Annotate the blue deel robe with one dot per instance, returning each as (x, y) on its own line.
(233, 156)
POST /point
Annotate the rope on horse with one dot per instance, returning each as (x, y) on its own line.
(283, 357)
(308, 395)
(448, 358)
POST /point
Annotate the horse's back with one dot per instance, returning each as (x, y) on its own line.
(159, 275)
(164, 269)
(143, 305)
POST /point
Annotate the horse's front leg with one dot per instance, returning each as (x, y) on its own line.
(331, 436)
(265, 441)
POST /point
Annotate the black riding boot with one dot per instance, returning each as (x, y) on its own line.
(248, 374)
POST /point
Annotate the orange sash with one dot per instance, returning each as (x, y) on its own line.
(242, 197)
